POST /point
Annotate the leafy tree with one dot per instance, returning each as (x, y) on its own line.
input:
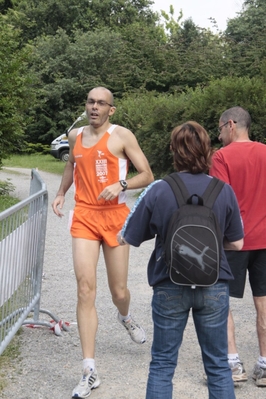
(68, 68)
(81, 44)
(144, 60)
(5, 5)
(116, 14)
(138, 56)
(246, 35)
(171, 25)
(66, 71)
(15, 88)
(37, 18)
(200, 55)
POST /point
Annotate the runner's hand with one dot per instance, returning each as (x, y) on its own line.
(120, 239)
(58, 204)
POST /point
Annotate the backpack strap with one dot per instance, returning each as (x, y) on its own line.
(182, 195)
(212, 191)
(178, 187)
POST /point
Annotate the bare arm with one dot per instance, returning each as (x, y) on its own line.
(132, 150)
(234, 245)
(139, 160)
(67, 177)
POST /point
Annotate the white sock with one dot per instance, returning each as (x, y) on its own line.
(262, 362)
(233, 358)
(88, 364)
(124, 318)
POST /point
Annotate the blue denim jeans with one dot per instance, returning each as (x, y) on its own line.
(171, 305)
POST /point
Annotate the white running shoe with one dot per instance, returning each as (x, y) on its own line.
(238, 373)
(136, 332)
(259, 375)
(88, 382)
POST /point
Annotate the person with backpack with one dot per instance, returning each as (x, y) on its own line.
(155, 214)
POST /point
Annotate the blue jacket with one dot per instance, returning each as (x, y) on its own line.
(151, 214)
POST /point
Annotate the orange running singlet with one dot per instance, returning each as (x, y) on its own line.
(96, 168)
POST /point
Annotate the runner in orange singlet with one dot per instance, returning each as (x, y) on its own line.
(98, 165)
(96, 168)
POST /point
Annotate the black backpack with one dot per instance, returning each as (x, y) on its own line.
(194, 239)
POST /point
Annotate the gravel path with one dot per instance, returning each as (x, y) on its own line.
(50, 366)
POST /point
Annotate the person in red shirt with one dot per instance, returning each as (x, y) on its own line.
(242, 164)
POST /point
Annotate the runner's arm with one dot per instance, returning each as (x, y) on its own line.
(233, 246)
(67, 177)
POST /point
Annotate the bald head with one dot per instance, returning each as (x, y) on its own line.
(108, 95)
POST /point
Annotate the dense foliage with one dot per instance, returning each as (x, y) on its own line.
(162, 71)
(15, 88)
(153, 116)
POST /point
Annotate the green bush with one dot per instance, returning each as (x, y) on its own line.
(32, 148)
(6, 201)
(6, 188)
(152, 116)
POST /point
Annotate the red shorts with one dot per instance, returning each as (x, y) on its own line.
(99, 223)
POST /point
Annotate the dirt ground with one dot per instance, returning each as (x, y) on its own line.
(50, 365)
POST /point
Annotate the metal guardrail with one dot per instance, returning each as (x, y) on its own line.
(22, 244)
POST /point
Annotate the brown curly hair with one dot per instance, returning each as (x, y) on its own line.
(191, 147)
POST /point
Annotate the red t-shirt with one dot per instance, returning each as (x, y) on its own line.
(243, 166)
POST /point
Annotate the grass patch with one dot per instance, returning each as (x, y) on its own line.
(6, 202)
(46, 163)
(8, 359)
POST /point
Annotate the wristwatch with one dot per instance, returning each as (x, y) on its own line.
(123, 184)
